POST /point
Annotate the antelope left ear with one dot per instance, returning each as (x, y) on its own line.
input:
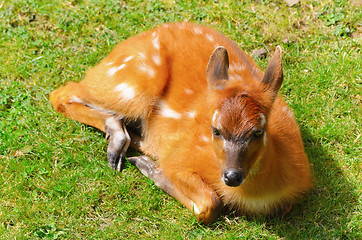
(217, 69)
(273, 76)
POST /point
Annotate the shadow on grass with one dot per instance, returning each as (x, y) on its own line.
(326, 212)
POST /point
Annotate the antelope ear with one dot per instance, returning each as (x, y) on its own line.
(273, 76)
(217, 69)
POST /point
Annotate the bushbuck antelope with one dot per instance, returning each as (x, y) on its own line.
(189, 98)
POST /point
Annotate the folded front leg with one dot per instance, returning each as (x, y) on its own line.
(187, 187)
(119, 141)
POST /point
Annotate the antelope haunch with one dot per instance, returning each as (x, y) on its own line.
(187, 97)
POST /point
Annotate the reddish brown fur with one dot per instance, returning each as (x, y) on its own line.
(162, 81)
(239, 107)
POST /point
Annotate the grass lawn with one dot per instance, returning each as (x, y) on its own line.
(55, 182)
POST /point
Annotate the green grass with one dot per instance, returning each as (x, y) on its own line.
(55, 182)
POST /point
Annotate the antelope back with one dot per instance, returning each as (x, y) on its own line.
(159, 76)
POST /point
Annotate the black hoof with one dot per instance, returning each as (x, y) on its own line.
(116, 161)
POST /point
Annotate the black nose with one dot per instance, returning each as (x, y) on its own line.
(232, 177)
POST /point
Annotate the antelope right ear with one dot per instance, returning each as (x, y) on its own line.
(217, 69)
(273, 76)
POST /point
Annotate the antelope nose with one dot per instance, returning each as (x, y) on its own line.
(232, 177)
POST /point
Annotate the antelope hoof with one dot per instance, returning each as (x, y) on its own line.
(115, 161)
(145, 164)
(119, 141)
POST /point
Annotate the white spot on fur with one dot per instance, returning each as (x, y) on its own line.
(113, 70)
(155, 41)
(166, 111)
(147, 69)
(127, 59)
(126, 92)
(197, 30)
(110, 63)
(188, 91)
(205, 138)
(142, 55)
(156, 59)
(210, 37)
(191, 114)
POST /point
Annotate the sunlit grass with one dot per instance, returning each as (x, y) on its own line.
(55, 182)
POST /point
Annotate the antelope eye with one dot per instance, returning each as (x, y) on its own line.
(216, 132)
(258, 133)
